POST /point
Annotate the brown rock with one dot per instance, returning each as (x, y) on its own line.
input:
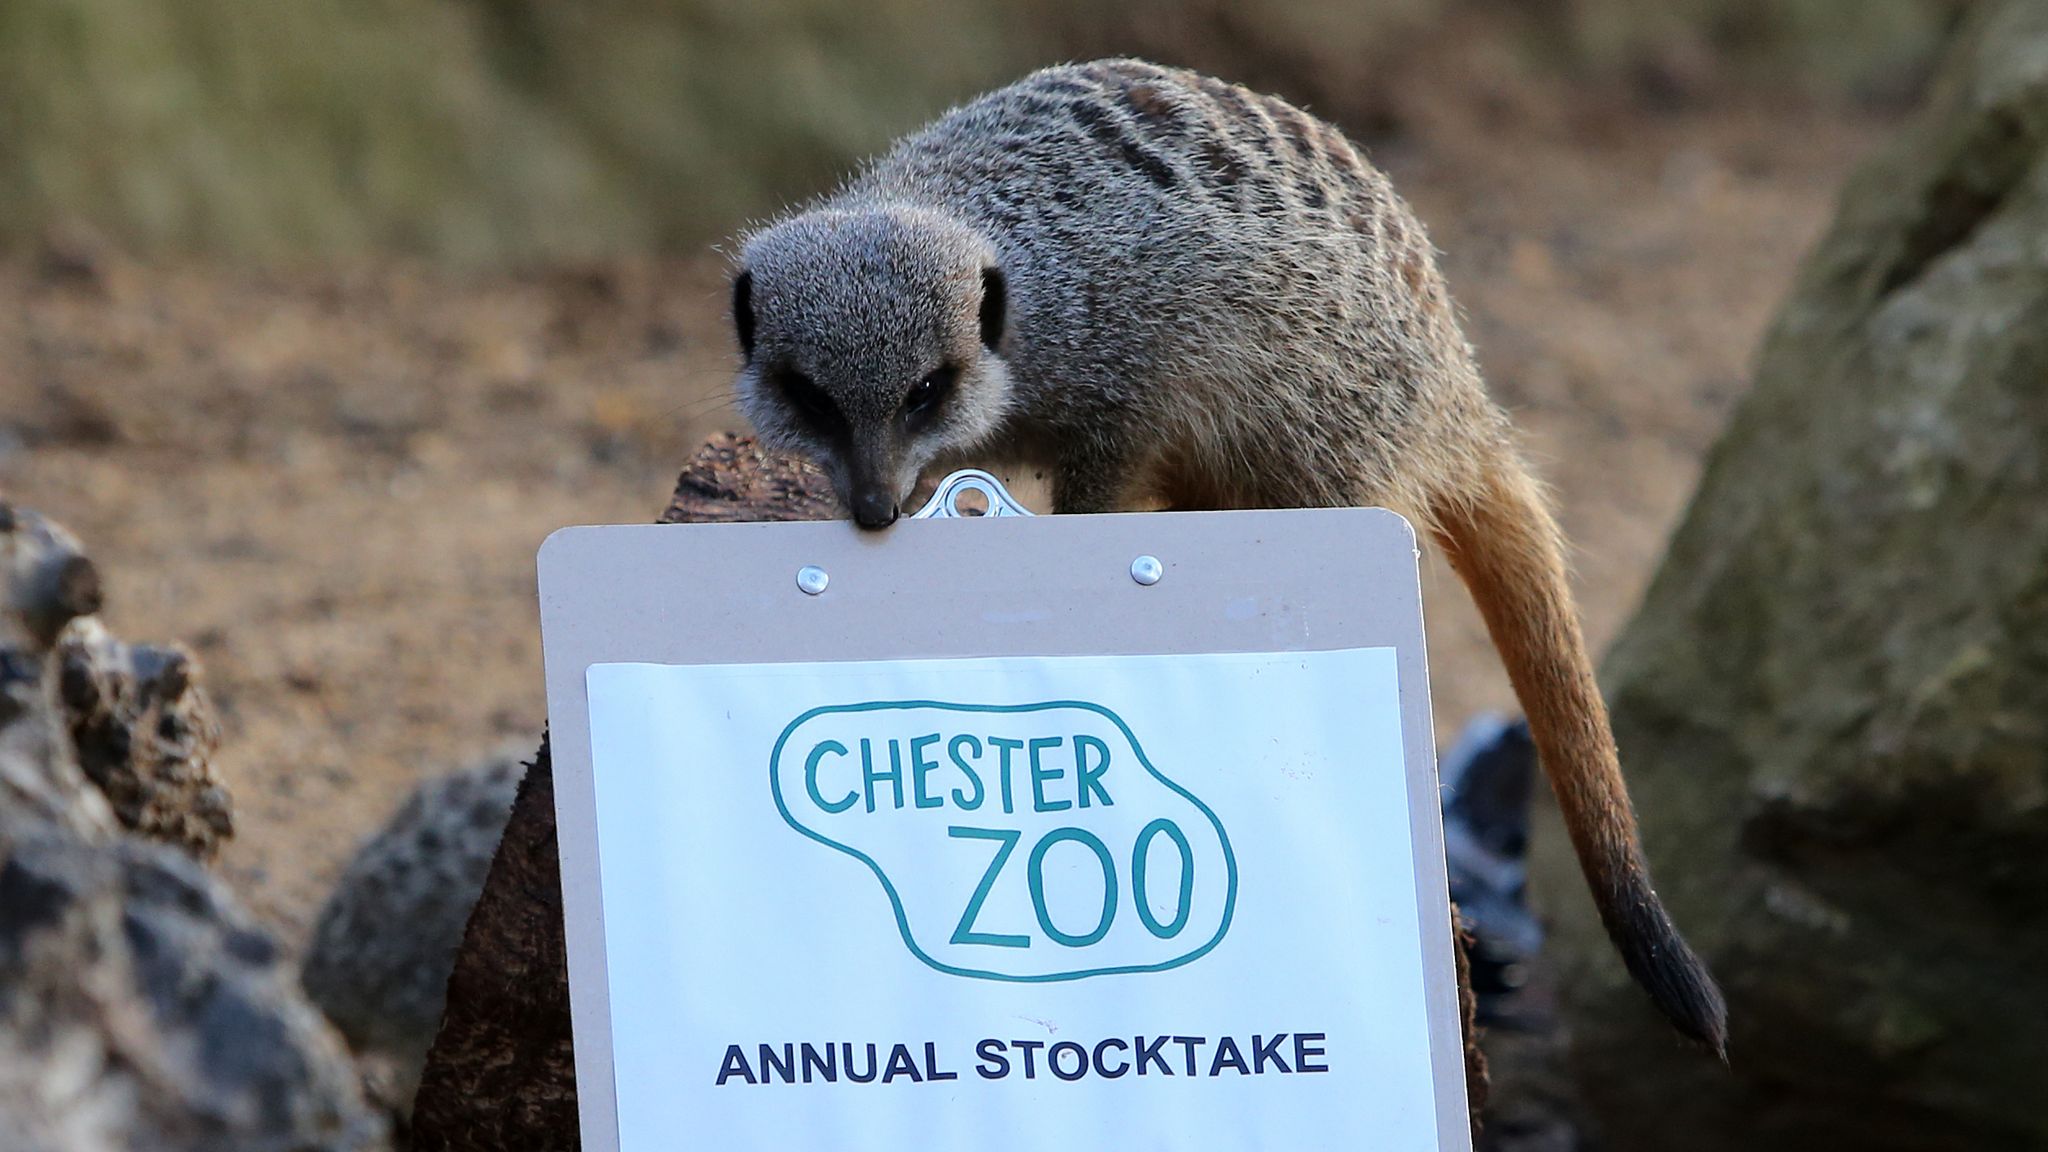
(385, 941)
(145, 734)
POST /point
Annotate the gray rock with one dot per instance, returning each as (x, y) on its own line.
(1833, 706)
(46, 582)
(140, 1008)
(385, 942)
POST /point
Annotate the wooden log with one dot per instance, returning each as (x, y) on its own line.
(501, 1073)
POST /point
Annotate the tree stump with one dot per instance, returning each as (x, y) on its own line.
(501, 1073)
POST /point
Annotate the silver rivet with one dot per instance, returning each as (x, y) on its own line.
(812, 579)
(1147, 570)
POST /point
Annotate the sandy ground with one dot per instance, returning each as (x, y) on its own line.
(331, 483)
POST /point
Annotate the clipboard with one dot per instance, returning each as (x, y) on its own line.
(644, 627)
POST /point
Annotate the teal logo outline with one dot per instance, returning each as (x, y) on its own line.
(896, 901)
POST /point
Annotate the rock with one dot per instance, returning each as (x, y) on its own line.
(385, 941)
(45, 583)
(1833, 705)
(140, 1008)
(39, 776)
(135, 720)
(145, 733)
(45, 580)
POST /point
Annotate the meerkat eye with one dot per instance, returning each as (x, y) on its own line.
(994, 306)
(926, 394)
(743, 312)
(810, 401)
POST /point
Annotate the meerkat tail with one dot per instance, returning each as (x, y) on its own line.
(1504, 543)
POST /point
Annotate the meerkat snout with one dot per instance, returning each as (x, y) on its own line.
(874, 509)
(910, 368)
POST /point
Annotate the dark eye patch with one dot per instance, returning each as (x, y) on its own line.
(921, 404)
(810, 402)
(995, 306)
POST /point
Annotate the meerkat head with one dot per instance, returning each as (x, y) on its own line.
(872, 342)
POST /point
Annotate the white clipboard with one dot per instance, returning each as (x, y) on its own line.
(1288, 643)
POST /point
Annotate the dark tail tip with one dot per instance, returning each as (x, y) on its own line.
(1660, 960)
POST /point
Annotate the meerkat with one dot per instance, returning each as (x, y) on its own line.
(1163, 288)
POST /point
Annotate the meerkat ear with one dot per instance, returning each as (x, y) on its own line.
(994, 306)
(743, 312)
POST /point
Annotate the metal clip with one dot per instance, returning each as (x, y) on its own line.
(945, 501)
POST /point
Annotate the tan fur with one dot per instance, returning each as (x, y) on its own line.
(1504, 543)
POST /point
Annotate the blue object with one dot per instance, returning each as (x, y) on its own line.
(1485, 779)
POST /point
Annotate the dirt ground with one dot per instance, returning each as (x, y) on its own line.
(331, 483)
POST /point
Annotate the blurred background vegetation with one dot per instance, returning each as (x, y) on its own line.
(316, 316)
(490, 132)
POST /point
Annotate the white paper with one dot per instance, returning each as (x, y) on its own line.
(747, 914)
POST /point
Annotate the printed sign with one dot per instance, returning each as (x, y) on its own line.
(1014, 903)
(1013, 769)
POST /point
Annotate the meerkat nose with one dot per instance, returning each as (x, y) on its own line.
(874, 510)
